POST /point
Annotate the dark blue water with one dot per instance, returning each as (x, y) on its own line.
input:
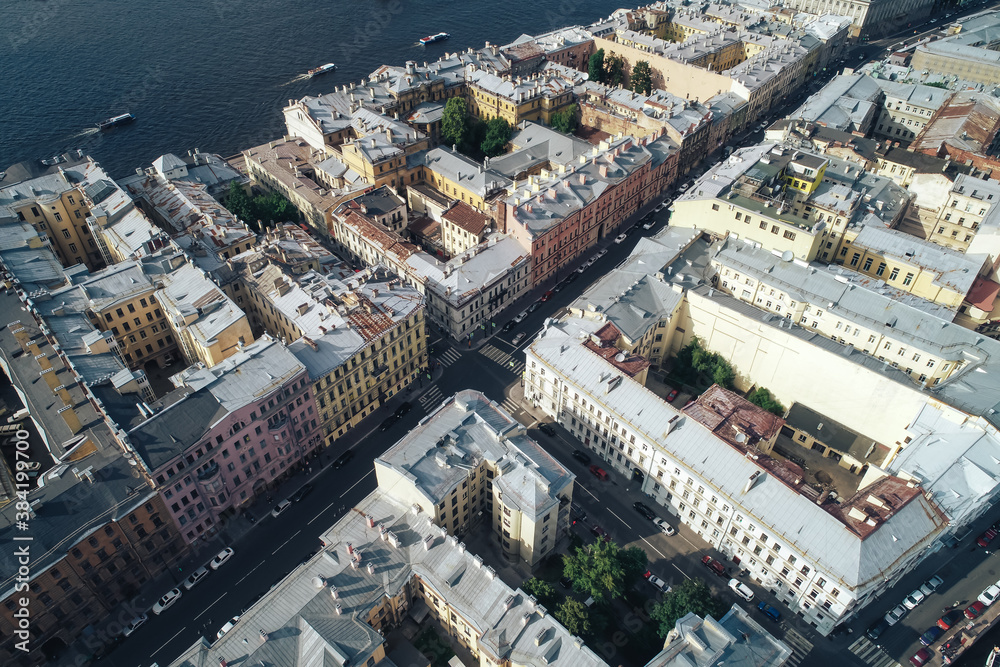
(214, 74)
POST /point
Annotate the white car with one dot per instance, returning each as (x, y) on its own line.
(989, 596)
(741, 589)
(134, 625)
(621, 238)
(665, 527)
(931, 585)
(660, 207)
(520, 316)
(195, 577)
(164, 603)
(913, 599)
(221, 558)
(280, 507)
(602, 253)
(896, 613)
(227, 627)
(649, 224)
(657, 583)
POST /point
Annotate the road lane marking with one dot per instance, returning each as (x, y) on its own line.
(250, 572)
(652, 547)
(356, 483)
(209, 607)
(321, 512)
(588, 491)
(285, 542)
(680, 570)
(169, 640)
(617, 517)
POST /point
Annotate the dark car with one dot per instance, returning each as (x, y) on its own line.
(547, 429)
(644, 510)
(598, 531)
(546, 296)
(535, 306)
(566, 582)
(403, 409)
(949, 619)
(769, 611)
(876, 629)
(301, 493)
(714, 565)
(931, 635)
(974, 610)
(343, 459)
(581, 457)
(571, 277)
(510, 325)
(388, 423)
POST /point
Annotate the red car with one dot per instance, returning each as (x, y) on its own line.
(920, 658)
(714, 565)
(987, 537)
(974, 610)
(546, 296)
(598, 472)
(672, 395)
(600, 532)
(948, 621)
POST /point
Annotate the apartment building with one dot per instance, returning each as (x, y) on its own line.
(848, 102)
(734, 638)
(558, 216)
(707, 466)
(535, 97)
(462, 179)
(463, 228)
(908, 107)
(791, 200)
(409, 567)
(227, 434)
(56, 199)
(471, 463)
(964, 52)
(98, 534)
(870, 18)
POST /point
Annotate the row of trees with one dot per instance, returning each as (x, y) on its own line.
(265, 208)
(609, 69)
(604, 571)
(695, 365)
(473, 137)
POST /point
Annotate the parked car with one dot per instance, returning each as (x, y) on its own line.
(644, 510)
(949, 619)
(518, 338)
(520, 317)
(913, 599)
(566, 582)
(657, 583)
(987, 537)
(164, 603)
(664, 527)
(893, 615)
(577, 512)
(403, 408)
(303, 491)
(547, 296)
(388, 423)
(547, 429)
(280, 507)
(621, 238)
(769, 611)
(600, 253)
(510, 325)
(931, 585)
(741, 589)
(648, 224)
(920, 658)
(599, 473)
(535, 306)
(221, 558)
(672, 395)
(573, 276)
(195, 577)
(714, 565)
(133, 625)
(659, 207)
(583, 267)
(230, 624)
(600, 532)
(342, 460)
(931, 635)
(582, 457)
(876, 629)
(974, 610)
(989, 596)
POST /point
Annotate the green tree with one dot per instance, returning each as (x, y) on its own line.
(239, 204)
(723, 374)
(565, 120)
(642, 78)
(274, 206)
(692, 595)
(694, 362)
(595, 66)
(497, 135)
(574, 616)
(603, 569)
(762, 397)
(543, 591)
(455, 120)
(614, 70)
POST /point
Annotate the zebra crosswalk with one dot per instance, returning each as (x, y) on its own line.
(800, 647)
(448, 357)
(871, 653)
(493, 353)
(510, 405)
(431, 398)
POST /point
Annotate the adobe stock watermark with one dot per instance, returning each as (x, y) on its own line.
(30, 25)
(22, 541)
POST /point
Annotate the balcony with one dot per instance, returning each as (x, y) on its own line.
(208, 473)
(277, 426)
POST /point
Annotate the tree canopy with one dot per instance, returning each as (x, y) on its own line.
(543, 591)
(692, 595)
(603, 569)
(693, 361)
(614, 70)
(762, 397)
(565, 120)
(455, 120)
(497, 135)
(266, 207)
(595, 66)
(574, 616)
(642, 78)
